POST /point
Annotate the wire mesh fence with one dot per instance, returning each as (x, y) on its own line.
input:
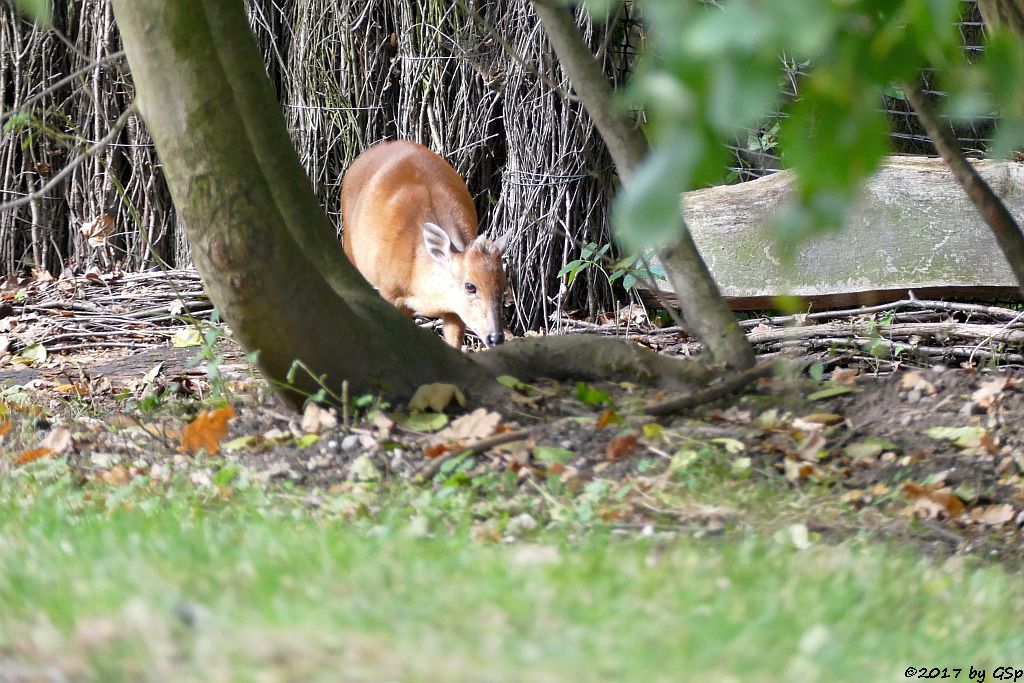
(474, 79)
(755, 152)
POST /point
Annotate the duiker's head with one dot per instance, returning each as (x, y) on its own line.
(478, 280)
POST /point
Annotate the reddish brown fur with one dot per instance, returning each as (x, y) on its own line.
(388, 194)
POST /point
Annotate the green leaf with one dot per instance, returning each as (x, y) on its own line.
(37, 10)
(509, 381)
(420, 422)
(225, 475)
(567, 268)
(964, 437)
(829, 392)
(600, 8)
(307, 440)
(648, 212)
(550, 455)
(1009, 138)
(186, 337)
(591, 396)
(237, 444)
(31, 355)
(816, 371)
(731, 446)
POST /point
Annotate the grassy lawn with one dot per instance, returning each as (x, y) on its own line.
(172, 581)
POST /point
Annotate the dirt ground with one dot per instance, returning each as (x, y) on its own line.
(933, 456)
(900, 421)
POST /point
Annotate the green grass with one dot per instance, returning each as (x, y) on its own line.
(178, 583)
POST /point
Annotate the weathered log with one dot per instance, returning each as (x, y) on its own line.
(913, 228)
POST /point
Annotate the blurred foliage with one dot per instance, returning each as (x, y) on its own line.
(712, 69)
(37, 10)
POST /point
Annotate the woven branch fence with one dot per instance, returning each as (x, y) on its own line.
(484, 92)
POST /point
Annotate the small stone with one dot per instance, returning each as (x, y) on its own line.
(350, 442)
(969, 408)
(318, 462)
(522, 522)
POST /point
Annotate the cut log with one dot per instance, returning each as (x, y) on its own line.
(913, 228)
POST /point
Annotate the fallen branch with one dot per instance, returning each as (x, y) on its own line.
(732, 383)
(430, 468)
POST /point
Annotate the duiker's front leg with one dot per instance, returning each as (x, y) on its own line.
(454, 330)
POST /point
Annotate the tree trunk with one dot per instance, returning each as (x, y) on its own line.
(704, 310)
(260, 240)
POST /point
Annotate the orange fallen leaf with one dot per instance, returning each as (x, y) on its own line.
(607, 417)
(116, 476)
(620, 447)
(845, 376)
(435, 450)
(206, 431)
(5, 427)
(32, 455)
(929, 503)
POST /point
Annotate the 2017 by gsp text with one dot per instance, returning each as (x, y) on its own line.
(970, 673)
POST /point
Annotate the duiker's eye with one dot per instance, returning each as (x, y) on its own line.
(470, 288)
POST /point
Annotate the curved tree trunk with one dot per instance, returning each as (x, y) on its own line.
(260, 240)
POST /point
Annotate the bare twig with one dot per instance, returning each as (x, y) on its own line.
(433, 466)
(733, 382)
(59, 177)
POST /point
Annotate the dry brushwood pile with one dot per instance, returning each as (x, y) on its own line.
(905, 423)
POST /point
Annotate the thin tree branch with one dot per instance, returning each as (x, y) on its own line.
(704, 309)
(64, 172)
(61, 83)
(991, 208)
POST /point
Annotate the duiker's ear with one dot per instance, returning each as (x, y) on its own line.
(502, 242)
(439, 243)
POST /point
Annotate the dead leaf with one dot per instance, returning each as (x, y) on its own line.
(988, 394)
(316, 419)
(435, 450)
(798, 470)
(915, 381)
(206, 431)
(98, 230)
(608, 416)
(620, 447)
(821, 419)
(845, 376)
(57, 441)
(116, 476)
(474, 426)
(931, 504)
(436, 397)
(78, 389)
(5, 427)
(993, 515)
(32, 455)
(811, 446)
(381, 423)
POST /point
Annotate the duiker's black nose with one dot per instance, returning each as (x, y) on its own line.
(495, 339)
